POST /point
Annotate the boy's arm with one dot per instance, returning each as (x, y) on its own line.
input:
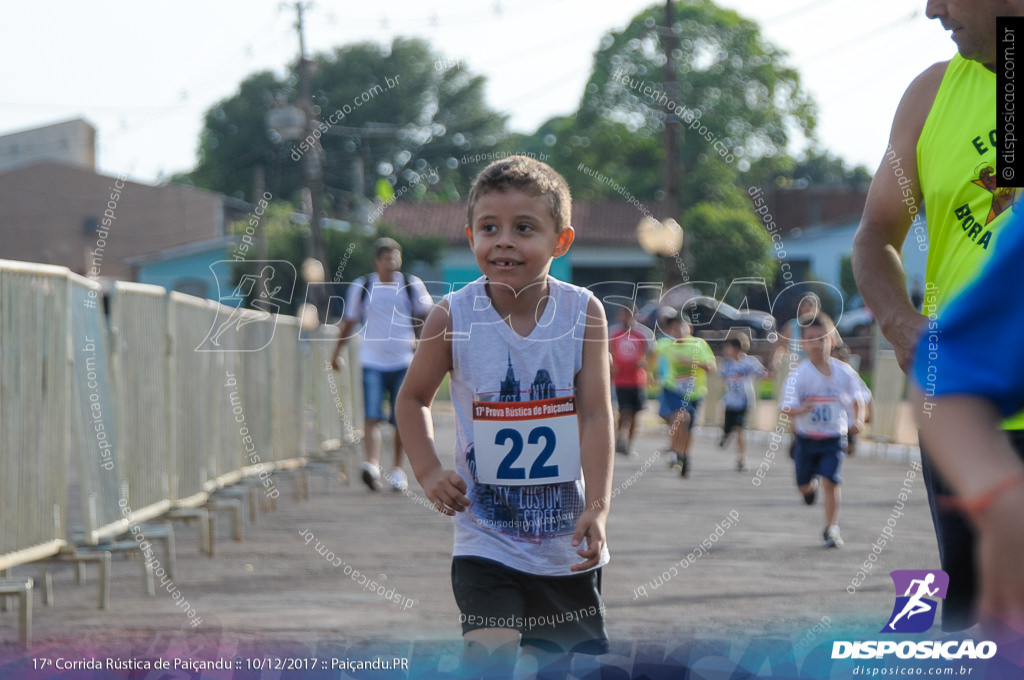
(857, 399)
(963, 439)
(858, 415)
(709, 365)
(432, 360)
(790, 404)
(594, 408)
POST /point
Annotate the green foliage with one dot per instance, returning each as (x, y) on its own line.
(726, 243)
(731, 81)
(819, 166)
(399, 111)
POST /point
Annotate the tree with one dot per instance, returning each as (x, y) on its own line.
(726, 243)
(820, 166)
(400, 112)
(738, 105)
(737, 98)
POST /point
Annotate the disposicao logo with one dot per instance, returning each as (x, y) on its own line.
(914, 611)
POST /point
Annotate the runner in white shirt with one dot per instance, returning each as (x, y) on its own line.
(738, 373)
(386, 301)
(824, 395)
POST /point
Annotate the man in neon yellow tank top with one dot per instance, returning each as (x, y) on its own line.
(942, 160)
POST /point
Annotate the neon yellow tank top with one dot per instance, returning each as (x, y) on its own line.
(956, 161)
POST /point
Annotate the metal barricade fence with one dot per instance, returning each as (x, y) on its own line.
(34, 403)
(226, 441)
(139, 363)
(887, 391)
(351, 387)
(285, 395)
(250, 400)
(325, 387)
(94, 419)
(192, 422)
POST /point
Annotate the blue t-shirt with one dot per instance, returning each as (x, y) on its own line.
(974, 347)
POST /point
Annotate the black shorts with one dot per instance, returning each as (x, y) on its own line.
(632, 399)
(733, 420)
(558, 614)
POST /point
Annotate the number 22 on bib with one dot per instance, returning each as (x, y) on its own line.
(523, 443)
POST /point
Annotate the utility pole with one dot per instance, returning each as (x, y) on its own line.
(671, 204)
(313, 161)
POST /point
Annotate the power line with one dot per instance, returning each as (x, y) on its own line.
(803, 9)
(819, 57)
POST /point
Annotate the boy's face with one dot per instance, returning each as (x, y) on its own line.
(817, 342)
(731, 351)
(513, 237)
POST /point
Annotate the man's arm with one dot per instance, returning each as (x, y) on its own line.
(877, 265)
(594, 406)
(964, 441)
(347, 326)
(353, 312)
(432, 360)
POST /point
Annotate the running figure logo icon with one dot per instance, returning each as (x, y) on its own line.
(913, 611)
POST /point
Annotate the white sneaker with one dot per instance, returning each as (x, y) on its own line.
(399, 482)
(832, 537)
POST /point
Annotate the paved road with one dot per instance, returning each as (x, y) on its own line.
(766, 575)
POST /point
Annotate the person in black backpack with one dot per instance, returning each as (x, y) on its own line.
(388, 303)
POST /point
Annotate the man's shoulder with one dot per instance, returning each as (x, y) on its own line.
(920, 94)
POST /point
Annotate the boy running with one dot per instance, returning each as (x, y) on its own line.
(738, 373)
(529, 493)
(824, 396)
(683, 364)
(631, 343)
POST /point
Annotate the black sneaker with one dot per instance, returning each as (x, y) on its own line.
(371, 476)
(721, 442)
(684, 466)
(813, 493)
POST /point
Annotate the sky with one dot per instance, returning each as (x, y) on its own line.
(144, 73)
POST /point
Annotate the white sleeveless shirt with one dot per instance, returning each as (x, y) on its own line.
(517, 394)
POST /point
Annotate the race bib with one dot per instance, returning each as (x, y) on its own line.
(524, 443)
(823, 415)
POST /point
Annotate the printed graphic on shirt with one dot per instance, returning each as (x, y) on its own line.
(525, 459)
(1003, 199)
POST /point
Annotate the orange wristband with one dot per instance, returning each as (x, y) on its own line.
(974, 506)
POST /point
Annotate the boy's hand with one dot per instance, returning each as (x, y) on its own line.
(855, 427)
(590, 527)
(446, 490)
